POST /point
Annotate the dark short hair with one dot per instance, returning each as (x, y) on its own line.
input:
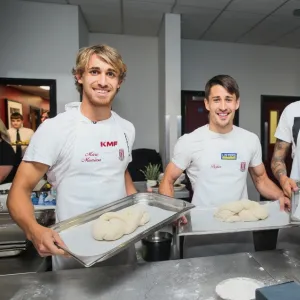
(226, 81)
(15, 116)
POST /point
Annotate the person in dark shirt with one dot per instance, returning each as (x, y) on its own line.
(7, 156)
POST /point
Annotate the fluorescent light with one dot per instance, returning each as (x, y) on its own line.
(44, 87)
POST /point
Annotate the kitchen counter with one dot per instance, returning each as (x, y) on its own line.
(191, 279)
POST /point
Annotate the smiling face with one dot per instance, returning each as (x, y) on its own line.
(100, 82)
(221, 106)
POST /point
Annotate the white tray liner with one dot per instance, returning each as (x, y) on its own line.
(81, 243)
(203, 221)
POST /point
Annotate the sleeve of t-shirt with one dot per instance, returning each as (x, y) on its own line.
(283, 130)
(45, 144)
(7, 154)
(256, 158)
(181, 156)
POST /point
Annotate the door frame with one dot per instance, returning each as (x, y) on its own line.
(36, 82)
(185, 93)
(265, 99)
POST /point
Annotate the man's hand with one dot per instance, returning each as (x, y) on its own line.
(43, 239)
(285, 203)
(288, 185)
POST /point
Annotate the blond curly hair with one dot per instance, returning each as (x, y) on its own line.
(108, 54)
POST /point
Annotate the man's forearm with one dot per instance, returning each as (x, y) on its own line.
(268, 189)
(278, 160)
(166, 188)
(21, 210)
(278, 167)
(129, 185)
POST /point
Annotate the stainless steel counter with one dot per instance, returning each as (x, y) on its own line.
(178, 279)
(282, 265)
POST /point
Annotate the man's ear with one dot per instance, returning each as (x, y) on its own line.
(237, 104)
(78, 78)
(206, 104)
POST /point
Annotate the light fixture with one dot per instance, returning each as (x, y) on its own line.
(45, 87)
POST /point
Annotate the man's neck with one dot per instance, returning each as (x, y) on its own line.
(95, 113)
(222, 130)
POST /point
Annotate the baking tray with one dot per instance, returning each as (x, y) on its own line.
(295, 207)
(202, 221)
(76, 232)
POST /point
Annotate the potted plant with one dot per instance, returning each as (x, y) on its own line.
(151, 173)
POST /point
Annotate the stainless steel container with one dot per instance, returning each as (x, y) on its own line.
(157, 246)
(295, 208)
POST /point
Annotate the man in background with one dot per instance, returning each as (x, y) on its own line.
(19, 135)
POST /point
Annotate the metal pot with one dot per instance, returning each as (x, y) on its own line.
(157, 246)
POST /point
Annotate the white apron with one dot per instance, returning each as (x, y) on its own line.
(95, 177)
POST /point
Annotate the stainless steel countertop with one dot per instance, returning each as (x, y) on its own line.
(282, 265)
(191, 279)
(28, 261)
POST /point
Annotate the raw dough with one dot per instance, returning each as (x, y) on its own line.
(113, 225)
(243, 210)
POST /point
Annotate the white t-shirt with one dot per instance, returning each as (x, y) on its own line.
(288, 131)
(217, 164)
(87, 161)
(25, 136)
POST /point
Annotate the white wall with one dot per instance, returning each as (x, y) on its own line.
(40, 40)
(259, 70)
(137, 100)
(83, 31)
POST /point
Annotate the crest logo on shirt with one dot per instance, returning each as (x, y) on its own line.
(243, 166)
(121, 154)
(229, 156)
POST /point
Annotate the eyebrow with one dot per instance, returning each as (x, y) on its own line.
(98, 69)
(227, 97)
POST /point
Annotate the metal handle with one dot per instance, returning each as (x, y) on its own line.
(266, 141)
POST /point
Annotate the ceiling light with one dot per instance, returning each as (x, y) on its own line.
(44, 87)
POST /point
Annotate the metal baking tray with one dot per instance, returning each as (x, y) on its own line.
(76, 232)
(201, 221)
(295, 208)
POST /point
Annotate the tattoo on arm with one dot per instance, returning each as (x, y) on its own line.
(278, 160)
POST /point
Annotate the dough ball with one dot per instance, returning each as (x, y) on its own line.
(235, 206)
(108, 230)
(246, 215)
(243, 210)
(234, 218)
(113, 225)
(145, 218)
(223, 214)
(260, 212)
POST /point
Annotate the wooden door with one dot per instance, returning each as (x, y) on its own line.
(271, 110)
